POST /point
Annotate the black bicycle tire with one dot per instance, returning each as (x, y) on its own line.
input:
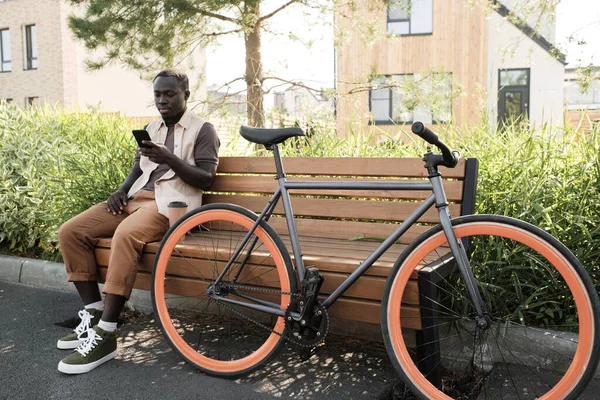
(563, 250)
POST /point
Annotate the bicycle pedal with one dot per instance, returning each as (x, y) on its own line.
(312, 282)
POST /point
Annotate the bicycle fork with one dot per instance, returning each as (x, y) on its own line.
(459, 253)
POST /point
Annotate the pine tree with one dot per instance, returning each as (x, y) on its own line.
(146, 34)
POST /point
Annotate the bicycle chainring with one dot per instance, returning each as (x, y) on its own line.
(308, 332)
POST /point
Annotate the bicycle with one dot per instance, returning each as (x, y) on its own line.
(242, 297)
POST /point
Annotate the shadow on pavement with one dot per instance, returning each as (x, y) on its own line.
(346, 367)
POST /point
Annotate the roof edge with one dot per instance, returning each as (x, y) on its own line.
(529, 32)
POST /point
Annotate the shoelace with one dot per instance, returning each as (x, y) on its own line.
(85, 324)
(89, 343)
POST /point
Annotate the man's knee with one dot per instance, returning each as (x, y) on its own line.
(67, 232)
(127, 236)
(140, 232)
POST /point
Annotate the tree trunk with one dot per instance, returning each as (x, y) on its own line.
(254, 69)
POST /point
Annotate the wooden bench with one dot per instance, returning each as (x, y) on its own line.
(335, 227)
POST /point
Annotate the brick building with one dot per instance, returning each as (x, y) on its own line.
(41, 62)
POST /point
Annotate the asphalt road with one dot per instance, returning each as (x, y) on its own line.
(32, 319)
(146, 368)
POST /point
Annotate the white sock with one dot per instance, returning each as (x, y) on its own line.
(107, 326)
(99, 305)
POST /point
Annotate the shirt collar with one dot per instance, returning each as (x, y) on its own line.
(184, 121)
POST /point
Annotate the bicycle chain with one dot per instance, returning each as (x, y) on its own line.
(281, 334)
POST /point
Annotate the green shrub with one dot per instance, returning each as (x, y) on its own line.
(53, 165)
(550, 179)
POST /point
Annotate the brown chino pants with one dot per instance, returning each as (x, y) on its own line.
(139, 223)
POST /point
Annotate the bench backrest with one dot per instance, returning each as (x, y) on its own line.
(346, 214)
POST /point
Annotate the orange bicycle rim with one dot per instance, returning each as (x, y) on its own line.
(582, 302)
(161, 305)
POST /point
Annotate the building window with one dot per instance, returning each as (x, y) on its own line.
(6, 100)
(513, 95)
(31, 101)
(410, 17)
(575, 96)
(5, 64)
(31, 47)
(412, 97)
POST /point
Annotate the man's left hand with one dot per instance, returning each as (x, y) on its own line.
(158, 153)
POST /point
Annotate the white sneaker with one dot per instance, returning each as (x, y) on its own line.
(73, 340)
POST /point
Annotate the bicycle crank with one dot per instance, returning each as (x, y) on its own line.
(311, 329)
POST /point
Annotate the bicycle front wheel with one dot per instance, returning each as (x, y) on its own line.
(541, 307)
(217, 337)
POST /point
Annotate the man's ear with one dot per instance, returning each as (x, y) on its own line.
(187, 94)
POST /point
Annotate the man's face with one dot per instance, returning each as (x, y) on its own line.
(169, 97)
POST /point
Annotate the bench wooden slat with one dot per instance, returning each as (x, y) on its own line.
(339, 166)
(345, 230)
(308, 227)
(366, 287)
(355, 209)
(313, 255)
(341, 265)
(267, 185)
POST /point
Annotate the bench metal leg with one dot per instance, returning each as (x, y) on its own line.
(428, 337)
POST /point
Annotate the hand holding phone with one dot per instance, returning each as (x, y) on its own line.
(141, 134)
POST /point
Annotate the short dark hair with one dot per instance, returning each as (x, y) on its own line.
(182, 78)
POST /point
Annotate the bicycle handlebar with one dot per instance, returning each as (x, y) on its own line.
(450, 156)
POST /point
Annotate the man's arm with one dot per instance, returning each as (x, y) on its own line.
(118, 200)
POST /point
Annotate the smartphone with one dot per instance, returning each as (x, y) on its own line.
(141, 134)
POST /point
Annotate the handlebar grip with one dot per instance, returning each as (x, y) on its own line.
(421, 130)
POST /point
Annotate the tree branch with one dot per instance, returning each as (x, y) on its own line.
(217, 16)
(224, 33)
(267, 16)
(297, 84)
(230, 82)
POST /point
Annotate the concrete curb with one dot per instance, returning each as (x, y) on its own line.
(34, 272)
(53, 275)
(10, 268)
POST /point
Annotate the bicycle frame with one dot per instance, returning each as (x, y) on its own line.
(437, 198)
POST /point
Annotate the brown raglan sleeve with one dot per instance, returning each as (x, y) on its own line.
(206, 149)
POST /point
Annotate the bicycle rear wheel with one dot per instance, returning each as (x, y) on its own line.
(542, 340)
(216, 337)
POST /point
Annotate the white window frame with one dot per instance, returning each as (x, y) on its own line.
(2, 51)
(31, 63)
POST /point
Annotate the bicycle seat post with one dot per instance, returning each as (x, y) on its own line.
(278, 162)
(289, 213)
